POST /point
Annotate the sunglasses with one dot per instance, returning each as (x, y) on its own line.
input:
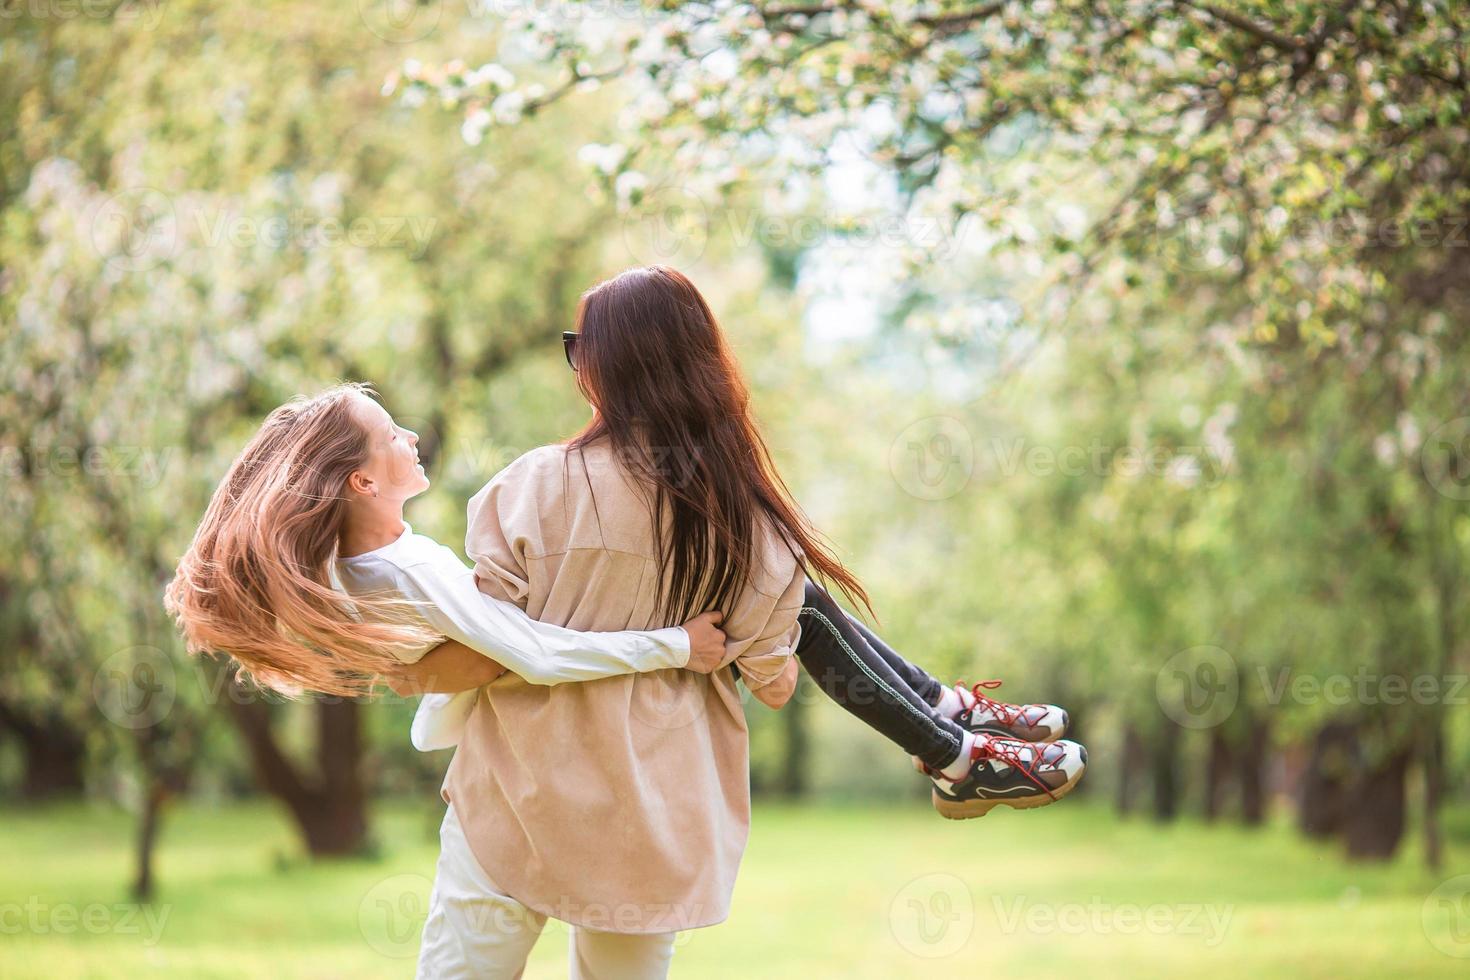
(569, 345)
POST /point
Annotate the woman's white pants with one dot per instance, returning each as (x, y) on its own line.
(476, 931)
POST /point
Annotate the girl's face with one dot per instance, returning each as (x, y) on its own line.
(392, 471)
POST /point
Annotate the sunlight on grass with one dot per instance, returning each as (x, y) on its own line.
(825, 891)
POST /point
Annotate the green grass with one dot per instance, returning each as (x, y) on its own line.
(825, 891)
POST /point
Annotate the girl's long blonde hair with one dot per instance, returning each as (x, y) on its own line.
(256, 582)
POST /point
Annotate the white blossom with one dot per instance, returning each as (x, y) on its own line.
(604, 159)
(507, 108)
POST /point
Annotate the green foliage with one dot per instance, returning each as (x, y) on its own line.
(201, 218)
(1180, 367)
(1236, 239)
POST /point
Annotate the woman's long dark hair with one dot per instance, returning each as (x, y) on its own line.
(669, 396)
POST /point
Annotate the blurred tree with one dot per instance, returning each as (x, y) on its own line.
(204, 214)
(1277, 182)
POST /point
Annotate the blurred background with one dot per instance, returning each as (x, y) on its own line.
(1118, 346)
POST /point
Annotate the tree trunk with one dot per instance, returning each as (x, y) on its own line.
(148, 839)
(1217, 774)
(1375, 821)
(1446, 563)
(331, 812)
(54, 754)
(1165, 759)
(1355, 787)
(1324, 791)
(1433, 786)
(339, 823)
(54, 765)
(1251, 770)
(798, 745)
(1128, 775)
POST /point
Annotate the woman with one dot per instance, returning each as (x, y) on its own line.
(666, 501)
(323, 484)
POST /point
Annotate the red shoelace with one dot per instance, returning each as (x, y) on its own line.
(1007, 713)
(1008, 750)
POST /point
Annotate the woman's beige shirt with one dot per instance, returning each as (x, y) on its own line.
(620, 804)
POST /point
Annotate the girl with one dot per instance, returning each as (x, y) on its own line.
(324, 481)
(667, 501)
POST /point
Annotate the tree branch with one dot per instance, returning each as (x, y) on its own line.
(959, 18)
(1259, 31)
(951, 19)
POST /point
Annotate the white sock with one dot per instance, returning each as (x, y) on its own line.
(961, 765)
(952, 702)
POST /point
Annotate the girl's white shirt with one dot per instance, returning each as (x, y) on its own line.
(444, 593)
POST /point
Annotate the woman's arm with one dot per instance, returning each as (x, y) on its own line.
(779, 691)
(762, 628)
(449, 668)
(542, 653)
(452, 667)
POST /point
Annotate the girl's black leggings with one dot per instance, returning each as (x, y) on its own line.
(870, 680)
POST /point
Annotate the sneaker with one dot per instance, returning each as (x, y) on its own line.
(1009, 772)
(1027, 722)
